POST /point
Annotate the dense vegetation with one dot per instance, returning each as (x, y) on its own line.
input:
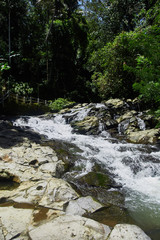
(81, 50)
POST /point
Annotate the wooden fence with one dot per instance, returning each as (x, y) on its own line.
(22, 99)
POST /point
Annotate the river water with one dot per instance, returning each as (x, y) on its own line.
(136, 167)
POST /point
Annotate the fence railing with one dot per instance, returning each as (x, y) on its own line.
(28, 100)
(22, 99)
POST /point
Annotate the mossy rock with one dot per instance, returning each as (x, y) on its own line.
(88, 125)
(97, 180)
(110, 197)
(111, 215)
(150, 136)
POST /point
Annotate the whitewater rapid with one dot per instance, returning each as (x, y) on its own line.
(135, 167)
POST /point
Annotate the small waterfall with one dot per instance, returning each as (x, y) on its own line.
(123, 126)
(80, 114)
(141, 123)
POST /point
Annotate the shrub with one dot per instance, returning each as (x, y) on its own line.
(59, 104)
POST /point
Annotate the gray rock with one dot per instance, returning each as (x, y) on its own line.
(14, 221)
(147, 136)
(70, 227)
(127, 115)
(58, 192)
(88, 125)
(115, 103)
(83, 205)
(51, 193)
(33, 163)
(127, 232)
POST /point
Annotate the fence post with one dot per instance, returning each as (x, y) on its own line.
(9, 96)
(45, 102)
(30, 100)
(24, 99)
(16, 98)
(2, 100)
(38, 100)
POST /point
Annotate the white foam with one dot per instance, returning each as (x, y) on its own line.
(127, 166)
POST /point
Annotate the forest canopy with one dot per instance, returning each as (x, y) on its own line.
(86, 50)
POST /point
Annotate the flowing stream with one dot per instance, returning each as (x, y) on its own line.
(136, 167)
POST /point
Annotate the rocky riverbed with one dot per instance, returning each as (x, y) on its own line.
(38, 200)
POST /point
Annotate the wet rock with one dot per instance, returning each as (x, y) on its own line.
(110, 123)
(149, 120)
(5, 124)
(116, 106)
(42, 215)
(111, 215)
(83, 205)
(151, 136)
(88, 125)
(127, 115)
(101, 194)
(113, 197)
(129, 125)
(115, 103)
(97, 180)
(65, 151)
(126, 231)
(68, 227)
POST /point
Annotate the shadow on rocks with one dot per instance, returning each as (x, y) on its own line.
(11, 136)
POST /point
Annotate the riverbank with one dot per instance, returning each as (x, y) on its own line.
(59, 180)
(36, 203)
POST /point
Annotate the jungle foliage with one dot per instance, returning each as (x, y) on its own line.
(81, 50)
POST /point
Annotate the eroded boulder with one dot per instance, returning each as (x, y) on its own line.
(70, 227)
(33, 162)
(51, 193)
(127, 232)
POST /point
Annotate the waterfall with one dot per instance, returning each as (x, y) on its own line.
(141, 123)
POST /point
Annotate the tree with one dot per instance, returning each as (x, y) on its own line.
(108, 18)
(66, 41)
(109, 78)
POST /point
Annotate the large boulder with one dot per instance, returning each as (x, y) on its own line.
(29, 162)
(89, 125)
(115, 103)
(70, 227)
(111, 215)
(127, 232)
(51, 193)
(127, 115)
(151, 136)
(116, 106)
(96, 179)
